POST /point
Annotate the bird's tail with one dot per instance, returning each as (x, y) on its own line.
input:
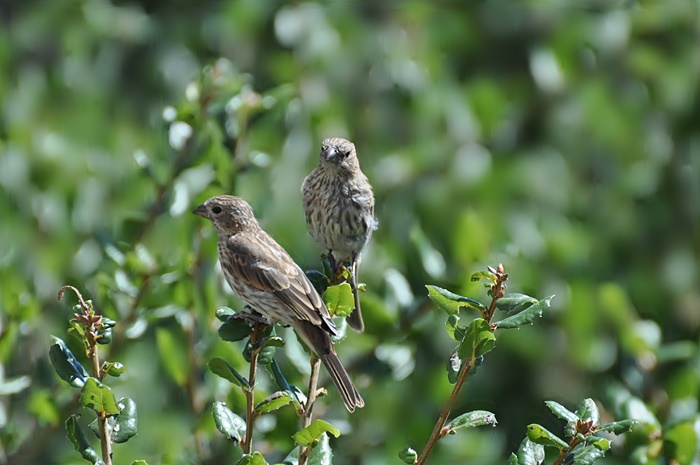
(319, 340)
(355, 319)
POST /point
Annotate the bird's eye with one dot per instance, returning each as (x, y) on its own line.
(216, 210)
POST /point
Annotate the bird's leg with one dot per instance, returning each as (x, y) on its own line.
(250, 318)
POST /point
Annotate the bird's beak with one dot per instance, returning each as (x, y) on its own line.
(329, 153)
(201, 211)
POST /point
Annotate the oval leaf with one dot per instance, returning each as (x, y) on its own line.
(586, 455)
(224, 313)
(588, 410)
(311, 433)
(408, 455)
(539, 435)
(478, 340)
(473, 419)
(450, 302)
(273, 402)
(339, 300)
(234, 329)
(227, 422)
(515, 303)
(125, 423)
(530, 453)
(525, 317)
(98, 397)
(220, 367)
(67, 367)
(256, 458)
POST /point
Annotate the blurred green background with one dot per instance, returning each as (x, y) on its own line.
(559, 137)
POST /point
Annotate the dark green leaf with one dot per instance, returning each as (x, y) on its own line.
(311, 433)
(294, 392)
(473, 419)
(585, 455)
(220, 367)
(566, 415)
(224, 313)
(455, 331)
(588, 410)
(274, 341)
(256, 458)
(125, 424)
(478, 340)
(66, 365)
(228, 423)
(98, 397)
(327, 269)
(526, 316)
(454, 364)
(104, 336)
(318, 280)
(273, 402)
(539, 435)
(618, 427)
(515, 303)
(77, 436)
(108, 322)
(339, 300)
(530, 453)
(408, 455)
(234, 329)
(321, 454)
(450, 302)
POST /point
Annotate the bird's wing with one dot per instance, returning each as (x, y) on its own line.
(262, 263)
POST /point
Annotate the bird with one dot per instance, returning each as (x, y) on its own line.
(268, 280)
(339, 209)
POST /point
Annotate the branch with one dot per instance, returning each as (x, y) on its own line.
(304, 452)
(247, 444)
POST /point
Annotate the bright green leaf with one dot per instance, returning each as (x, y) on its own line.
(220, 367)
(228, 423)
(256, 458)
(339, 300)
(485, 275)
(451, 302)
(681, 443)
(513, 459)
(98, 397)
(408, 455)
(66, 365)
(139, 462)
(321, 454)
(173, 354)
(526, 316)
(478, 340)
(473, 419)
(273, 402)
(539, 435)
(114, 369)
(311, 433)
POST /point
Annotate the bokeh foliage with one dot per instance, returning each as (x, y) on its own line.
(560, 138)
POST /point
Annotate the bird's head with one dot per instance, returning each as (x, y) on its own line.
(227, 213)
(338, 154)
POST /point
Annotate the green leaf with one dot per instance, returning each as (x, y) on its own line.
(318, 280)
(294, 392)
(618, 427)
(681, 443)
(472, 419)
(530, 453)
(224, 313)
(228, 423)
(311, 433)
(256, 458)
(513, 459)
(273, 402)
(450, 302)
(408, 455)
(566, 415)
(274, 341)
(454, 365)
(515, 303)
(485, 275)
(125, 424)
(526, 316)
(601, 443)
(98, 397)
(220, 367)
(173, 355)
(478, 340)
(77, 436)
(539, 435)
(455, 331)
(321, 454)
(234, 329)
(139, 462)
(67, 367)
(588, 410)
(265, 354)
(585, 455)
(339, 299)
(113, 368)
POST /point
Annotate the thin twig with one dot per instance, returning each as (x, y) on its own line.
(247, 444)
(305, 452)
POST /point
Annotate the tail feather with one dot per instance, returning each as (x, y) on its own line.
(319, 340)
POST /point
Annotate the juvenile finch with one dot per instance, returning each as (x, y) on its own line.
(339, 209)
(263, 274)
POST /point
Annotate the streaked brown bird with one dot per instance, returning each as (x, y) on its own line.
(263, 274)
(339, 209)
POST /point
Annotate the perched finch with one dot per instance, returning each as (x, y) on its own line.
(339, 209)
(263, 274)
